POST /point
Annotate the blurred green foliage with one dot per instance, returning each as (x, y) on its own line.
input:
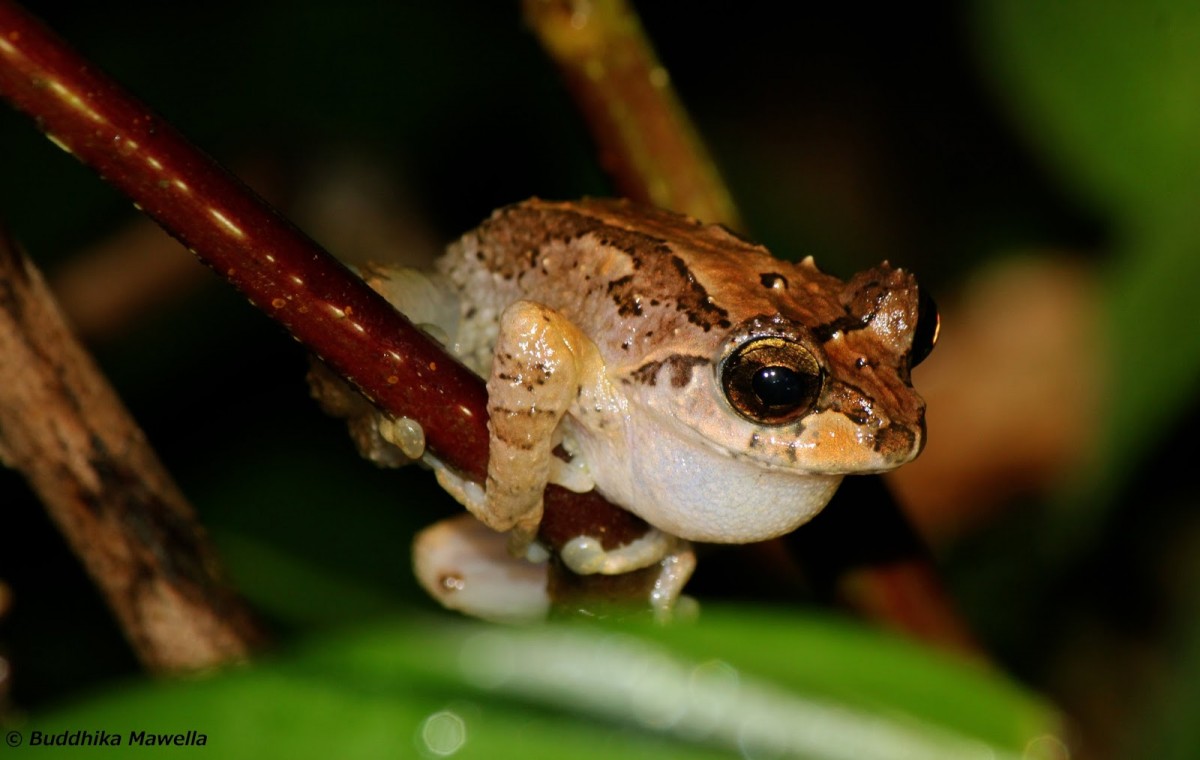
(1108, 94)
(936, 137)
(469, 690)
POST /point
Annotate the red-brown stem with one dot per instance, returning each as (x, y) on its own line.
(280, 270)
(240, 237)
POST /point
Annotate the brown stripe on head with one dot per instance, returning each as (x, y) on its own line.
(680, 367)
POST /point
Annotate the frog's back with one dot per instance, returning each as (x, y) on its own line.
(635, 279)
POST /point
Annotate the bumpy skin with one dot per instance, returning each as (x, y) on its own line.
(609, 323)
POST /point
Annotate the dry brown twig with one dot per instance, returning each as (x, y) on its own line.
(644, 137)
(62, 425)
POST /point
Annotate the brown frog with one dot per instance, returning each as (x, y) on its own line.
(693, 379)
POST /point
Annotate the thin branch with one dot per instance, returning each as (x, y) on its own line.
(645, 139)
(62, 425)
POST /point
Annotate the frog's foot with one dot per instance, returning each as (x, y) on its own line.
(568, 469)
(585, 555)
(667, 599)
(404, 433)
(463, 490)
(466, 566)
(384, 441)
(471, 495)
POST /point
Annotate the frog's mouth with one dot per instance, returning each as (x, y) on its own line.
(832, 443)
(886, 440)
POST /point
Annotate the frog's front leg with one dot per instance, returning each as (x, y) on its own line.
(541, 360)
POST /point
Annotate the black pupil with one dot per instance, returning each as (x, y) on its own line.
(779, 386)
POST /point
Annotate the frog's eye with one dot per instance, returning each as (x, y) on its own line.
(772, 380)
(925, 336)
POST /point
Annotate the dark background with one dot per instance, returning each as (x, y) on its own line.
(848, 135)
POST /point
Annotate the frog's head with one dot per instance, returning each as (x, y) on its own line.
(833, 397)
(790, 401)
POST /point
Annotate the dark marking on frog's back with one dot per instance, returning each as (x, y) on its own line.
(623, 293)
(525, 227)
(515, 234)
(694, 300)
(679, 365)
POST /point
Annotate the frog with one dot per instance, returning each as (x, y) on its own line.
(685, 373)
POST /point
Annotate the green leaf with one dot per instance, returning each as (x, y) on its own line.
(754, 684)
(1108, 91)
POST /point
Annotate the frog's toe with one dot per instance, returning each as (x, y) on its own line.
(585, 555)
(467, 567)
(463, 490)
(667, 598)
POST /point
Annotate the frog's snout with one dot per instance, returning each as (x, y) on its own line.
(899, 444)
